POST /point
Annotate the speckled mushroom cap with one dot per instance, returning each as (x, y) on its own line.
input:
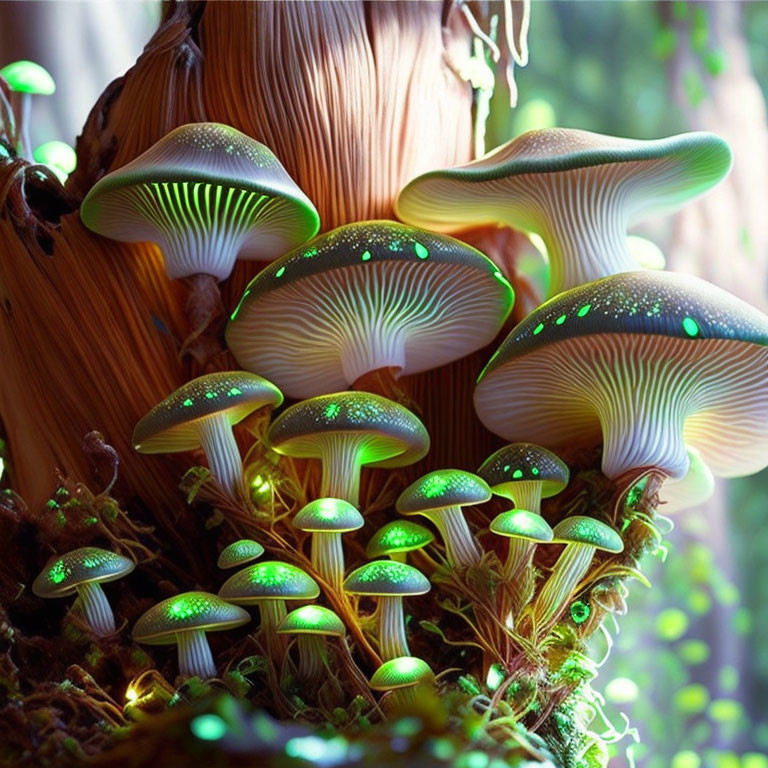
(693, 490)
(363, 297)
(270, 580)
(525, 462)
(669, 358)
(395, 436)
(312, 620)
(522, 524)
(402, 672)
(203, 181)
(170, 425)
(328, 516)
(579, 529)
(398, 536)
(239, 552)
(186, 612)
(443, 488)
(63, 574)
(386, 578)
(28, 77)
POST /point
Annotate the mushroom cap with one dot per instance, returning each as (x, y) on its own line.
(63, 574)
(270, 580)
(579, 529)
(239, 552)
(184, 613)
(648, 177)
(395, 437)
(312, 620)
(58, 154)
(693, 490)
(442, 488)
(328, 516)
(28, 77)
(402, 672)
(522, 524)
(170, 425)
(386, 578)
(540, 383)
(366, 296)
(525, 462)
(398, 536)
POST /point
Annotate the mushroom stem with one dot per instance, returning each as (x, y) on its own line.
(460, 546)
(272, 613)
(384, 349)
(96, 608)
(195, 659)
(220, 448)
(205, 315)
(341, 467)
(25, 105)
(572, 564)
(527, 495)
(328, 558)
(312, 657)
(518, 555)
(393, 641)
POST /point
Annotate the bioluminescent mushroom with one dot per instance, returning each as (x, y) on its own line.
(312, 624)
(326, 519)
(525, 474)
(653, 361)
(239, 553)
(439, 496)
(389, 581)
(524, 529)
(200, 414)
(396, 539)
(183, 621)
(346, 431)
(82, 571)
(58, 156)
(579, 191)
(367, 297)
(582, 536)
(693, 490)
(404, 676)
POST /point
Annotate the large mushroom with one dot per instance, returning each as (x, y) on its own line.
(579, 191)
(365, 298)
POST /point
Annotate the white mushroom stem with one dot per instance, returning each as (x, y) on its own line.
(460, 546)
(195, 659)
(272, 613)
(370, 347)
(341, 455)
(218, 443)
(96, 608)
(312, 657)
(328, 559)
(518, 555)
(393, 641)
(25, 109)
(571, 566)
(526, 494)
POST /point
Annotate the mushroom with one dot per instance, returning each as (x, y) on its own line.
(693, 490)
(397, 538)
(239, 553)
(58, 156)
(579, 191)
(404, 676)
(371, 297)
(390, 581)
(524, 529)
(581, 536)
(183, 620)
(326, 519)
(654, 361)
(200, 414)
(82, 571)
(439, 496)
(348, 430)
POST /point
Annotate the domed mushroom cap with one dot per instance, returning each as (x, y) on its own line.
(674, 350)
(185, 612)
(693, 490)
(270, 580)
(398, 536)
(402, 672)
(443, 488)
(525, 462)
(63, 574)
(239, 552)
(386, 578)
(395, 437)
(312, 620)
(522, 524)
(579, 529)
(363, 297)
(28, 77)
(170, 425)
(328, 516)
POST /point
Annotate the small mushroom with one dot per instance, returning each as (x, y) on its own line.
(390, 582)
(183, 621)
(200, 414)
(404, 677)
(525, 530)
(397, 538)
(58, 156)
(693, 490)
(239, 553)
(82, 571)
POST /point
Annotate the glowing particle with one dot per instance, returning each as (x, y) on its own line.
(560, 320)
(538, 329)
(210, 395)
(58, 572)
(517, 474)
(421, 251)
(435, 486)
(131, 694)
(690, 326)
(366, 256)
(234, 391)
(671, 624)
(280, 272)
(622, 690)
(534, 471)
(308, 254)
(580, 612)
(584, 310)
(188, 402)
(332, 410)
(208, 727)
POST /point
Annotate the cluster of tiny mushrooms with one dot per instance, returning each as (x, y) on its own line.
(669, 372)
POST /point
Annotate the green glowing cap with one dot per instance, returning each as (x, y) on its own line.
(239, 553)
(184, 613)
(524, 462)
(206, 194)
(693, 490)
(393, 436)
(579, 529)
(443, 488)
(63, 574)
(57, 155)
(522, 524)
(28, 77)
(386, 578)
(312, 620)
(402, 672)
(270, 580)
(170, 425)
(328, 516)
(398, 536)
(364, 297)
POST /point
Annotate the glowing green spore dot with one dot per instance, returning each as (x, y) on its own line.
(309, 253)
(188, 402)
(271, 574)
(507, 467)
(580, 612)
(435, 486)
(584, 310)
(517, 474)
(181, 609)
(208, 727)
(534, 471)
(280, 272)
(58, 572)
(538, 329)
(332, 410)
(560, 320)
(366, 256)
(210, 395)
(690, 326)
(421, 251)
(234, 391)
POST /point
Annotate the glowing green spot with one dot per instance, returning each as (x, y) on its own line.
(182, 609)
(366, 256)
(474, 759)
(280, 272)
(671, 624)
(534, 471)
(234, 391)
(309, 253)
(332, 410)
(686, 759)
(51, 504)
(435, 486)
(188, 402)
(693, 651)
(421, 251)
(690, 326)
(210, 395)
(58, 572)
(560, 320)
(538, 329)
(584, 310)
(313, 749)
(517, 474)
(622, 690)
(580, 612)
(691, 699)
(208, 727)
(239, 304)
(507, 467)
(271, 574)
(91, 520)
(725, 710)
(495, 677)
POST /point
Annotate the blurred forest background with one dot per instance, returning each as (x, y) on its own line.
(689, 667)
